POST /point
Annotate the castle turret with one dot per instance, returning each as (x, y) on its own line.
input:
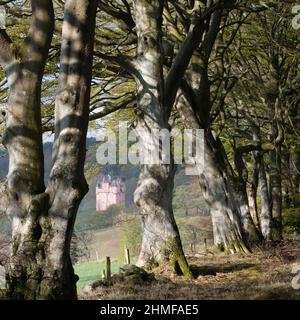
(109, 191)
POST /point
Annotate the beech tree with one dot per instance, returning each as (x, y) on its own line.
(43, 217)
(161, 242)
(270, 73)
(155, 99)
(202, 100)
(161, 59)
(200, 26)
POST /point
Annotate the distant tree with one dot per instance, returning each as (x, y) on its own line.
(80, 244)
(131, 235)
(265, 103)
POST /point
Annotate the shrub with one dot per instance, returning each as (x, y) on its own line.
(131, 235)
(291, 220)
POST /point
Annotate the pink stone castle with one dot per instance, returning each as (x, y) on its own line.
(109, 191)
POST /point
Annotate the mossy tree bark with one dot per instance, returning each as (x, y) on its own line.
(229, 211)
(161, 244)
(265, 217)
(294, 164)
(155, 102)
(252, 187)
(26, 200)
(42, 219)
(239, 184)
(276, 192)
(229, 235)
(274, 97)
(265, 214)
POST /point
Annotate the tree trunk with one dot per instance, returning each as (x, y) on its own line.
(294, 164)
(229, 207)
(252, 195)
(276, 192)
(42, 220)
(274, 103)
(239, 184)
(23, 140)
(253, 233)
(259, 175)
(161, 244)
(217, 190)
(265, 214)
(229, 212)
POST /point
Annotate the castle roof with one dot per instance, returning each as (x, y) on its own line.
(112, 180)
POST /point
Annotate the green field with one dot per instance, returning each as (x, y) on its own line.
(105, 242)
(91, 271)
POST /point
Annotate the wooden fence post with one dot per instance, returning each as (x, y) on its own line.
(108, 270)
(127, 256)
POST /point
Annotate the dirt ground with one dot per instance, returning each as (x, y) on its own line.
(265, 274)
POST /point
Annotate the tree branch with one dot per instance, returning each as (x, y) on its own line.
(41, 31)
(125, 62)
(7, 52)
(4, 198)
(186, 51)
(118, 14)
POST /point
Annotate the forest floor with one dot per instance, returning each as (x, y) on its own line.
(265, 274)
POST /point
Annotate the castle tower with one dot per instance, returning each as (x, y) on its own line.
(109, 191)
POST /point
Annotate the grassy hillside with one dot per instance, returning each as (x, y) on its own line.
(111, 241)
(266, 274)
(91, 272)
(104, 243)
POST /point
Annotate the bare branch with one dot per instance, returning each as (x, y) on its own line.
(186, 51)
(126, 62)
(7, 52)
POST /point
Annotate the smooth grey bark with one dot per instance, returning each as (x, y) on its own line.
(223, 188)
(240, 186)
(265, 217)
(219, 195)
(218, 184)
(274, 103)
(177, 70)
(67, 185)
(216, 187)
(42, 220)
(252, 187)
(161, 244)
(22, 137)
(275, 192)
(252, 232)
